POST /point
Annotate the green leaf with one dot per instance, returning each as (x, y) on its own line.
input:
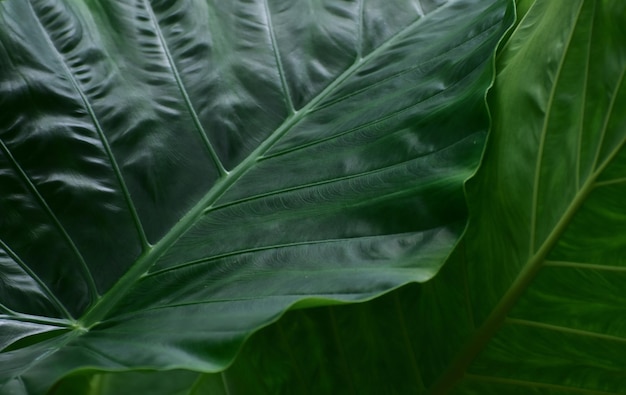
(500, 317)
(365, 348)
(544, 257)
(174, 382)
(362, 349)
(177, 174)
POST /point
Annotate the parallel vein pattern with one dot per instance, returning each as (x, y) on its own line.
(546, 247)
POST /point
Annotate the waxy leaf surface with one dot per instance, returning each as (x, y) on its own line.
(175, 174)
(532, 299)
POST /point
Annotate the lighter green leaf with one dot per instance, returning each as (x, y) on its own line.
(545, 253)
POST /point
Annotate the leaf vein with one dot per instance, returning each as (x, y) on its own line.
(584, 101)
(101, 136)
(42, 285)
(417, 375)
(257, 249)
(277, 57)
(183, 91)
(562, 329)
(400, 73)
(613, 181)
(222, 185)
(585, 266)
(370, 123)
(544, 133)
(339, 179)
(612, 154)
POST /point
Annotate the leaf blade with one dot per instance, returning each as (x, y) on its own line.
(344, 172)
(541, 255)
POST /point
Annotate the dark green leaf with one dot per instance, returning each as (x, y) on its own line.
(358, 349)
(503, 317)
(174, 382)
(176, 174)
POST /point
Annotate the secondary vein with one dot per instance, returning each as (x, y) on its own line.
(183, 91)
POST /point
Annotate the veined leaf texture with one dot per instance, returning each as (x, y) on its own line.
(176, 174)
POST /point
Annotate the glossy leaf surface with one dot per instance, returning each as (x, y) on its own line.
(364, 348)
(501, 317)
(177, 174)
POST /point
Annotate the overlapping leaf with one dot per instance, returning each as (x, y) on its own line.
(176, 174)
(532, 300)
(544, 257)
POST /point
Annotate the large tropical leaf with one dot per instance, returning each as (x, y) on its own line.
(176, 174)
(363, 349)
(532, 301)
(544, 260)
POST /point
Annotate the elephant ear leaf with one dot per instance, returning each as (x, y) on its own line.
(177, 173)
(541, 305)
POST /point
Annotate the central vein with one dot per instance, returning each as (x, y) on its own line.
(113, 296)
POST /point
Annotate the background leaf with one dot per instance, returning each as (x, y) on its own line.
(365, 348)
(544, 254)
(173, 382)
(177, 174)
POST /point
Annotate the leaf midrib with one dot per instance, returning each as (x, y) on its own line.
(121, 288)
(477, 342)
(525, 277)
